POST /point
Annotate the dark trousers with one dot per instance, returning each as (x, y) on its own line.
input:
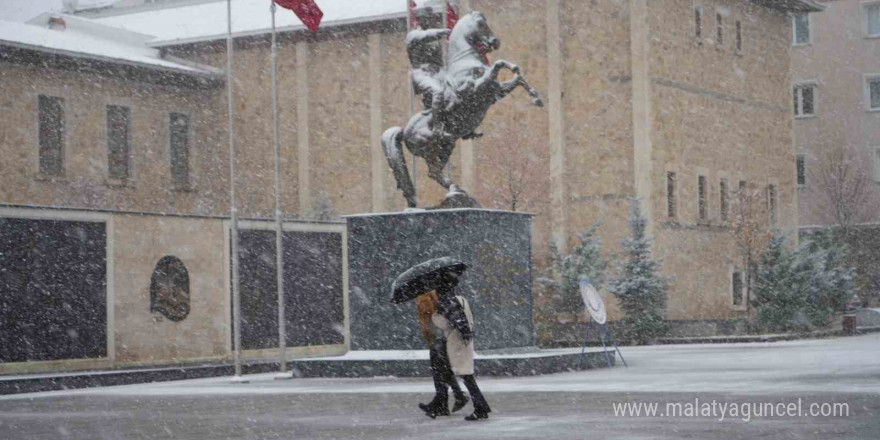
(442, 374)
(480, 404)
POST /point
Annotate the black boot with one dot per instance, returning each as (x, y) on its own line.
(460, 401)
(477, 416)
(432, 410)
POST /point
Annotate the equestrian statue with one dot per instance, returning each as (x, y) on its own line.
(455, 96)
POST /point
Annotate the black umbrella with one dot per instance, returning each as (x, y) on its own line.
(424, 277)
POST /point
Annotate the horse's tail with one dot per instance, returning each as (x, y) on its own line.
(392, 145)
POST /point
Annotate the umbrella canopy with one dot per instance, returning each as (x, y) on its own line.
(424, 277)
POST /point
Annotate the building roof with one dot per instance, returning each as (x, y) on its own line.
(792, 5)
(192, 23)
(85, 39)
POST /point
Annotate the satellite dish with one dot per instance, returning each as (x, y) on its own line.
(592, 301)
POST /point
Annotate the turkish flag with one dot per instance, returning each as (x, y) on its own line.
(451, 15)
(413, 23)
(306, 10)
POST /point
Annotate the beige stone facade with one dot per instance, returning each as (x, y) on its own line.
(631, 94)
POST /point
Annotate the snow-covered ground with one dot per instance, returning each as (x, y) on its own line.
(840, 365)
(572, 406)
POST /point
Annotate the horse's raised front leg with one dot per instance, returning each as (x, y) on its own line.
(521, 81)
(516, 81)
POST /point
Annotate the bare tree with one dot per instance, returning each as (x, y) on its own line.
(845, 187)
(518, 169)
(845, 184)
(751, 230)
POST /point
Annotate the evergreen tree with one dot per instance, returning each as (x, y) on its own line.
(639, 287)
(831, 282)
(775, 295)
(795, 290)
(585, 260)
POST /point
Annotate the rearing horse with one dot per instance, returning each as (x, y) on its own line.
(473, 87)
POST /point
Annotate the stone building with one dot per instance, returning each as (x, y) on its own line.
(672, 102)
(836, 88)
(836, 84)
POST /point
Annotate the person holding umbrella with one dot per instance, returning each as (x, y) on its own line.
(441, 371)
(453, 318)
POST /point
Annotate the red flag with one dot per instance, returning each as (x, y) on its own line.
(451, 15)
(413, 23)
(306, 10)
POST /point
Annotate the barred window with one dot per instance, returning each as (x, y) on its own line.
(670, 195)
(739, 36)
(179, 143)
(737, 288)
(801, 170)
(701, 191)
(51, 134)
(771, 203)
(118, 126)
(725, 200)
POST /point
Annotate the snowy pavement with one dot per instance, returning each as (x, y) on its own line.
(570, 405)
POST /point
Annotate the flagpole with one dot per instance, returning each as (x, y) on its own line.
(279, 250)
(410, 13)
(236, 294)
(444, 44)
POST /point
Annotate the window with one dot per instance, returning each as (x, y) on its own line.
(701, 191)
(725, 200)
(51, 134)
(804, 100)
(698, 22)
(801, 171)
(719, 29)
(771, 203)
(877, 165)
(872, 19)
(670, 195)
(873, 91)
(737, 288)
(179, 132)
(118, 126)
(739, 36)
(800, 28)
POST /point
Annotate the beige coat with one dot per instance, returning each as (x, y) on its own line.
(461, 355)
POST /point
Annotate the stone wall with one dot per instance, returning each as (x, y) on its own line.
(724, 114)
(85, 182)
(143, 336)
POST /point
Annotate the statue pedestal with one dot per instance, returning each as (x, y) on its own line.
(495, 244)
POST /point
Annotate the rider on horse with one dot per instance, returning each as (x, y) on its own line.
(428, 67)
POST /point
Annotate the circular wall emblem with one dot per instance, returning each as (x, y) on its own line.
(169, 289)
(592, 301)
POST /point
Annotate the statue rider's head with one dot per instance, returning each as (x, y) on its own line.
(427, 19)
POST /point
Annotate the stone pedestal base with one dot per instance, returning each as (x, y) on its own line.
(495, 244)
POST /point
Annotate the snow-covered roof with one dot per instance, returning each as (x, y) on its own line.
(191, 23)
(83, 38)
(792, 5)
